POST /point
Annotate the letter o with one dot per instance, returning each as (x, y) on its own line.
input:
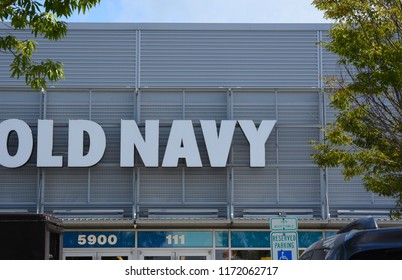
(25, 143)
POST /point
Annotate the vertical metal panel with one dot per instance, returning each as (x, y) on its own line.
(66, 185)
(299, 185)
(228, 58)
(111, 184)
(254, 185)
(205, 185)
(159, 185)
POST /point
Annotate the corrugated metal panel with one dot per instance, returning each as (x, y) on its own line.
(66, 185)
(343, 192)
(65, 105)
(299, 185)
(254, 105)
(330, 66)
(352, 193)
(112, 151)
(21, 104)
(205, 105)
(92, 58)
(298, 108)
(294, 144)
(229, 58)
(161, 185)
(205, 185)
(111, 184)
(109, 107)
(18, 185)
(255, 185)
(161, 105)
(241, 148)
(384, 200)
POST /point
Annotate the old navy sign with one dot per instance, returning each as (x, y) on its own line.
(181, 143)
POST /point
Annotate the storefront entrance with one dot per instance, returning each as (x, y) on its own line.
(175, 255)
(99, 255)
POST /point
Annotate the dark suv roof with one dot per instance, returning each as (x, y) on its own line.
(353, 242)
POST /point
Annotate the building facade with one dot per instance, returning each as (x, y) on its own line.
(221, 117)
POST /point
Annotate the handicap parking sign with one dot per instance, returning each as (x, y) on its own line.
(285, 255)
(284, 245)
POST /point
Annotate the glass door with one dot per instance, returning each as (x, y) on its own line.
(98, 255)
(79, 256)
(115, 256)
(156, 255)
(183, 256)
(175, 255)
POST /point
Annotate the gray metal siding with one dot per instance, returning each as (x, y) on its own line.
(91, 58)
(189, 74)
(228, 58)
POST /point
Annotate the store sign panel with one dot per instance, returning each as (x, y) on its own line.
(181, 143)
(283, 224)
(98, 239)
(175, 239)
(284, 245)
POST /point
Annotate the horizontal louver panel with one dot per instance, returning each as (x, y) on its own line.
(294, 144)
(18, 185)
(69, 185)
(161, 185)
(229, 58)
(342, 192)
(111, 184)
(205, 185)
(91, 58)
(21, 104)
(255, 185)
(64, 106)
(108, 108)
(299, 185)
(254, 105)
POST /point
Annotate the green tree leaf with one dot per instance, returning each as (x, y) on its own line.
(366, 137)
(43, 19)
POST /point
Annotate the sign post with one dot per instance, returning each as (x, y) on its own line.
(284, 239)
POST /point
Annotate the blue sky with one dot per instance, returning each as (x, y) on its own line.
(205, 11)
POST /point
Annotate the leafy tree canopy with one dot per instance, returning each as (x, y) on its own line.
(366, 137)
(43, 18)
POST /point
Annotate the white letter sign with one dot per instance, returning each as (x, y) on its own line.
(182, 144)
(131, 137)
(25, 143)
(97, 143)
(257, 138)
(218, 147)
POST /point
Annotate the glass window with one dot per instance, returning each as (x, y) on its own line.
(250, 239)
(306, 238)
(79, 258)
(222, 239)
(221, 254)
(251, 254)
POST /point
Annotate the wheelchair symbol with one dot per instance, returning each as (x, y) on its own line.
(284, 255)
